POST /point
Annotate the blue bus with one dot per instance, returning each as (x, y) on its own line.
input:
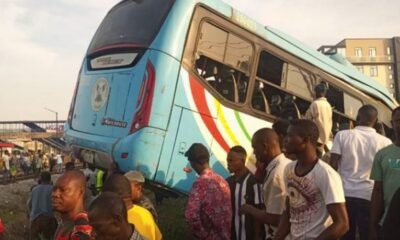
(160, 75)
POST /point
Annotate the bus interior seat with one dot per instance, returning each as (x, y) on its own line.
(290, 111)
(335, 127)
(344, 126)
(242, 86)
(212, 78)
(227, 86)
(275, 107)
(260, 101)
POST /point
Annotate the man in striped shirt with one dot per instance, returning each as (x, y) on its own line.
(244, 190)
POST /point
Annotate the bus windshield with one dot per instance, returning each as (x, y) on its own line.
(131, 22)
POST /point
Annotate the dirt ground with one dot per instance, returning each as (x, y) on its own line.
(13, 212)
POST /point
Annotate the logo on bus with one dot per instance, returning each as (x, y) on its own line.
(100, 93)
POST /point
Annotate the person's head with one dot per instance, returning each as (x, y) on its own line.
(45, 177)
(136, 180)
(302, 136)
(91, 166)
(6, 152)
(69, 166)
(396, 121)
(280, 126)
(108, 217)
(367, 116)
(198, 157)
(68, 192)
(321, 90)
(236, 159)
(119, 184)
(265, 143)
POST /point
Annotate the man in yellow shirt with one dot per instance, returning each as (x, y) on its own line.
(138, 216)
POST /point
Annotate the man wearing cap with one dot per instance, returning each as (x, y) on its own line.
(320, 112)
(137, 180)
(209, 210)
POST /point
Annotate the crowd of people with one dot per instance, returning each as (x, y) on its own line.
(302, 189)
(354, 195)
(17, 162)
(295, 193)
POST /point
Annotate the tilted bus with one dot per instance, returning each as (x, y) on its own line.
(160, 75)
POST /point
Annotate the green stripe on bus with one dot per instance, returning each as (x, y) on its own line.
(239, 120)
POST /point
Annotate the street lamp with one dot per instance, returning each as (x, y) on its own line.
(56, 117)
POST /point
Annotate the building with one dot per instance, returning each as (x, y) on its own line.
(378, 58)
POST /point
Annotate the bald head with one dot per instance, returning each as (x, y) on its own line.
(118, 184)
(367, 116)
(108, 216)
(106, 205)
(75, 176)
(267, 136)
(68, 193)
(266, 145)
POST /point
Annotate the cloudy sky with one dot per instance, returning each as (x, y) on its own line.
(42, 42)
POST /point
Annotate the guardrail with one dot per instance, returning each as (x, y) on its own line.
(30, 135)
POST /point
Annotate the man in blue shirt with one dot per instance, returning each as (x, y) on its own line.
(41, 217)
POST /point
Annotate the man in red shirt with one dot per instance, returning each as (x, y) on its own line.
(67, 199)
(209, 210)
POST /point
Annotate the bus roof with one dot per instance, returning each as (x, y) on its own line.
(345, 72)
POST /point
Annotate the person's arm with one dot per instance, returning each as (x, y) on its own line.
(336, 151)
(376, 210)
(284, 223)
(311, 112)
(340, 224)
(334, 160)
(260, 214)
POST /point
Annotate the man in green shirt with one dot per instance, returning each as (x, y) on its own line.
(386, 174)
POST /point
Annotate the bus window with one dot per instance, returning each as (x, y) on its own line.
(212, 42)
(270, 68)
(223, 61)
(351, 105)
(238, 53)
(131, 22)
(269, 94)
(335, 98)
(300, 81)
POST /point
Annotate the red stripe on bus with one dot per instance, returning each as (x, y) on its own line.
(199, 97)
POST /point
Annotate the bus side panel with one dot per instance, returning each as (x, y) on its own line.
(203, 119)
(145, 145)
(166, 71)
(168, 145)
(189, 132)
(140, 151)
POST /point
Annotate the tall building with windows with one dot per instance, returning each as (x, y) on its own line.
(378, 58)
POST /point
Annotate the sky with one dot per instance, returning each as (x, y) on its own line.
(42, 42)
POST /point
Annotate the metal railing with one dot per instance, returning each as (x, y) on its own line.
(31, 129)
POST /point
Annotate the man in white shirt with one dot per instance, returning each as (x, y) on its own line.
(352, 155)
(59, 162)
(320, 112)
(315, 205)
(6, 159)
(267, 150)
